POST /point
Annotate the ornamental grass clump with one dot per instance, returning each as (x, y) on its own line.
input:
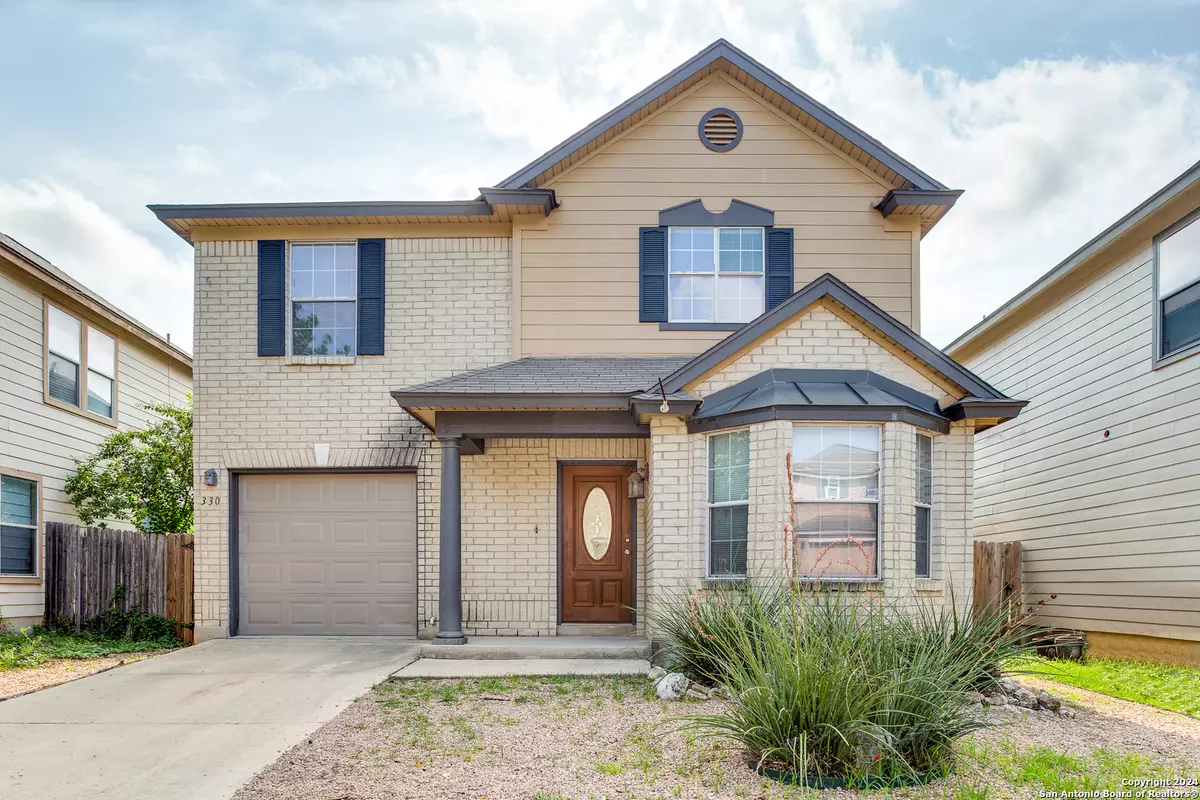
(831, 685)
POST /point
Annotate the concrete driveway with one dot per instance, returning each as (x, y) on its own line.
(195, 723)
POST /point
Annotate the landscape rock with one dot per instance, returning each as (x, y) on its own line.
(1068, 713)
(1009, 686)
(697, 694)
(673, 686)
(870, 744)
(717, 693)
(1048, 701)
(974, 698)
(656, 673)
(995, 699)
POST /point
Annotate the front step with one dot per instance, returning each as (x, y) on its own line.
(541, 647)
(595, 629)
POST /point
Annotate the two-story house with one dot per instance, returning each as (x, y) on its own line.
(73, 369)
(618, 372)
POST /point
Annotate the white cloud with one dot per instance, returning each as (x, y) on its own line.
(92, 246)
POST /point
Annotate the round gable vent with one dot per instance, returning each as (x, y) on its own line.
(721, 129)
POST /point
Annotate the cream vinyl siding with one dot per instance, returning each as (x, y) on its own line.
(579, 276)
(1109, 525)
(45, 440)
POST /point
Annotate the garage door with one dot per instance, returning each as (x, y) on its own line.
(327, 554)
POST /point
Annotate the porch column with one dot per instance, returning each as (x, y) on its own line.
(450, 545)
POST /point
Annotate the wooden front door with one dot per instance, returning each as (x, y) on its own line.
(597, 544)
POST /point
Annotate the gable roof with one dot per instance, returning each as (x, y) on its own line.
(42, 271)
(829, 286)
(723, 56)
(1077, 260)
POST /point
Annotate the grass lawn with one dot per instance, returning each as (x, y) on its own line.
(37, 646)
(577, 738)
(1174, 688)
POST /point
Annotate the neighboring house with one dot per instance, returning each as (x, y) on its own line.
(73, 369)
(1100, 477)
(420, 416)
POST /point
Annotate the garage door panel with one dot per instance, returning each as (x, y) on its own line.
(327, 554)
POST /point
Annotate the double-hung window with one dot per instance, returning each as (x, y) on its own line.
(1177, 261)
(81, 364)
(324, 299)
(728, 503)
(835, 487)
(18, 526)
(924, 506)
(716, 274)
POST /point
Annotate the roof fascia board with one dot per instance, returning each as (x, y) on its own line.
(722, 49)
(464, 208)
(822, 414)
(984, 408)
(513, 400)
(42, 271)
(1092, 248)
(916, 197)
(829, 286)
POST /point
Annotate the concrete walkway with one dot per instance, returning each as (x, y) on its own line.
(197, 723)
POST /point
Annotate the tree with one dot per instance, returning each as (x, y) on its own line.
(142, 477)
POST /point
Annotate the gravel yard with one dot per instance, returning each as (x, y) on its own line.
(22, 681)
(559, 738)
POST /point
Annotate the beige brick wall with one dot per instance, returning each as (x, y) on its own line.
(449, 309)
(510, 573)
(817, 339)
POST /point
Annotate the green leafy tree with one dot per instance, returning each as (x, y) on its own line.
(142, 477)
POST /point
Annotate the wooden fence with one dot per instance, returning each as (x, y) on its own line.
(84, 566)
(997, 575)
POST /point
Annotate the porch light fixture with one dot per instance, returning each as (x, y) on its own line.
(637, 485)
(210, 477)
(665, 407)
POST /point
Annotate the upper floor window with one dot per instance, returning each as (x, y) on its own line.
(81, 364)
(835, 487)
(1177, 259)
(716, 274)
(324, 299)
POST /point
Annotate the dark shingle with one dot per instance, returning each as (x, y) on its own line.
(592, 375)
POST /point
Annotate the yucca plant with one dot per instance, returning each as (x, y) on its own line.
(831, 685)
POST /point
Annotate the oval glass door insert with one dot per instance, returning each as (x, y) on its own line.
(597, 523)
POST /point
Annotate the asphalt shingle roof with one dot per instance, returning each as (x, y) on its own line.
(574, 375)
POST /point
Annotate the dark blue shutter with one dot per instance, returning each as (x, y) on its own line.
(272, 324)
(652, 271)
(370, 297)
(780, 266)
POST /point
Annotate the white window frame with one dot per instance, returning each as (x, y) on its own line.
(877, 501)
(710, 505)
(1162, 359)
(292, 300)
(36, 575)
(84, 366)
(918, 504)
(716, 274)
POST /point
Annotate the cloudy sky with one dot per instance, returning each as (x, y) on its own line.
(1055, 117)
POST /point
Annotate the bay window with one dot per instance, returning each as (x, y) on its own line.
(728, 503)
(835, 486)
(924, 506)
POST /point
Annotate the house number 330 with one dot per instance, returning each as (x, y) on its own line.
(210, 500)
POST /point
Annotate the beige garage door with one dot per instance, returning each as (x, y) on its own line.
(327, 554)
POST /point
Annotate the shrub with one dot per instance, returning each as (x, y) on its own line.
(833, 685)
(134, 624)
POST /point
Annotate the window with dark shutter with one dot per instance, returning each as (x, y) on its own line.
(780, 265)
(370, 296)
(652, 269)
(271, 299)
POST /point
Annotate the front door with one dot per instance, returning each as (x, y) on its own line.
(597, 544)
